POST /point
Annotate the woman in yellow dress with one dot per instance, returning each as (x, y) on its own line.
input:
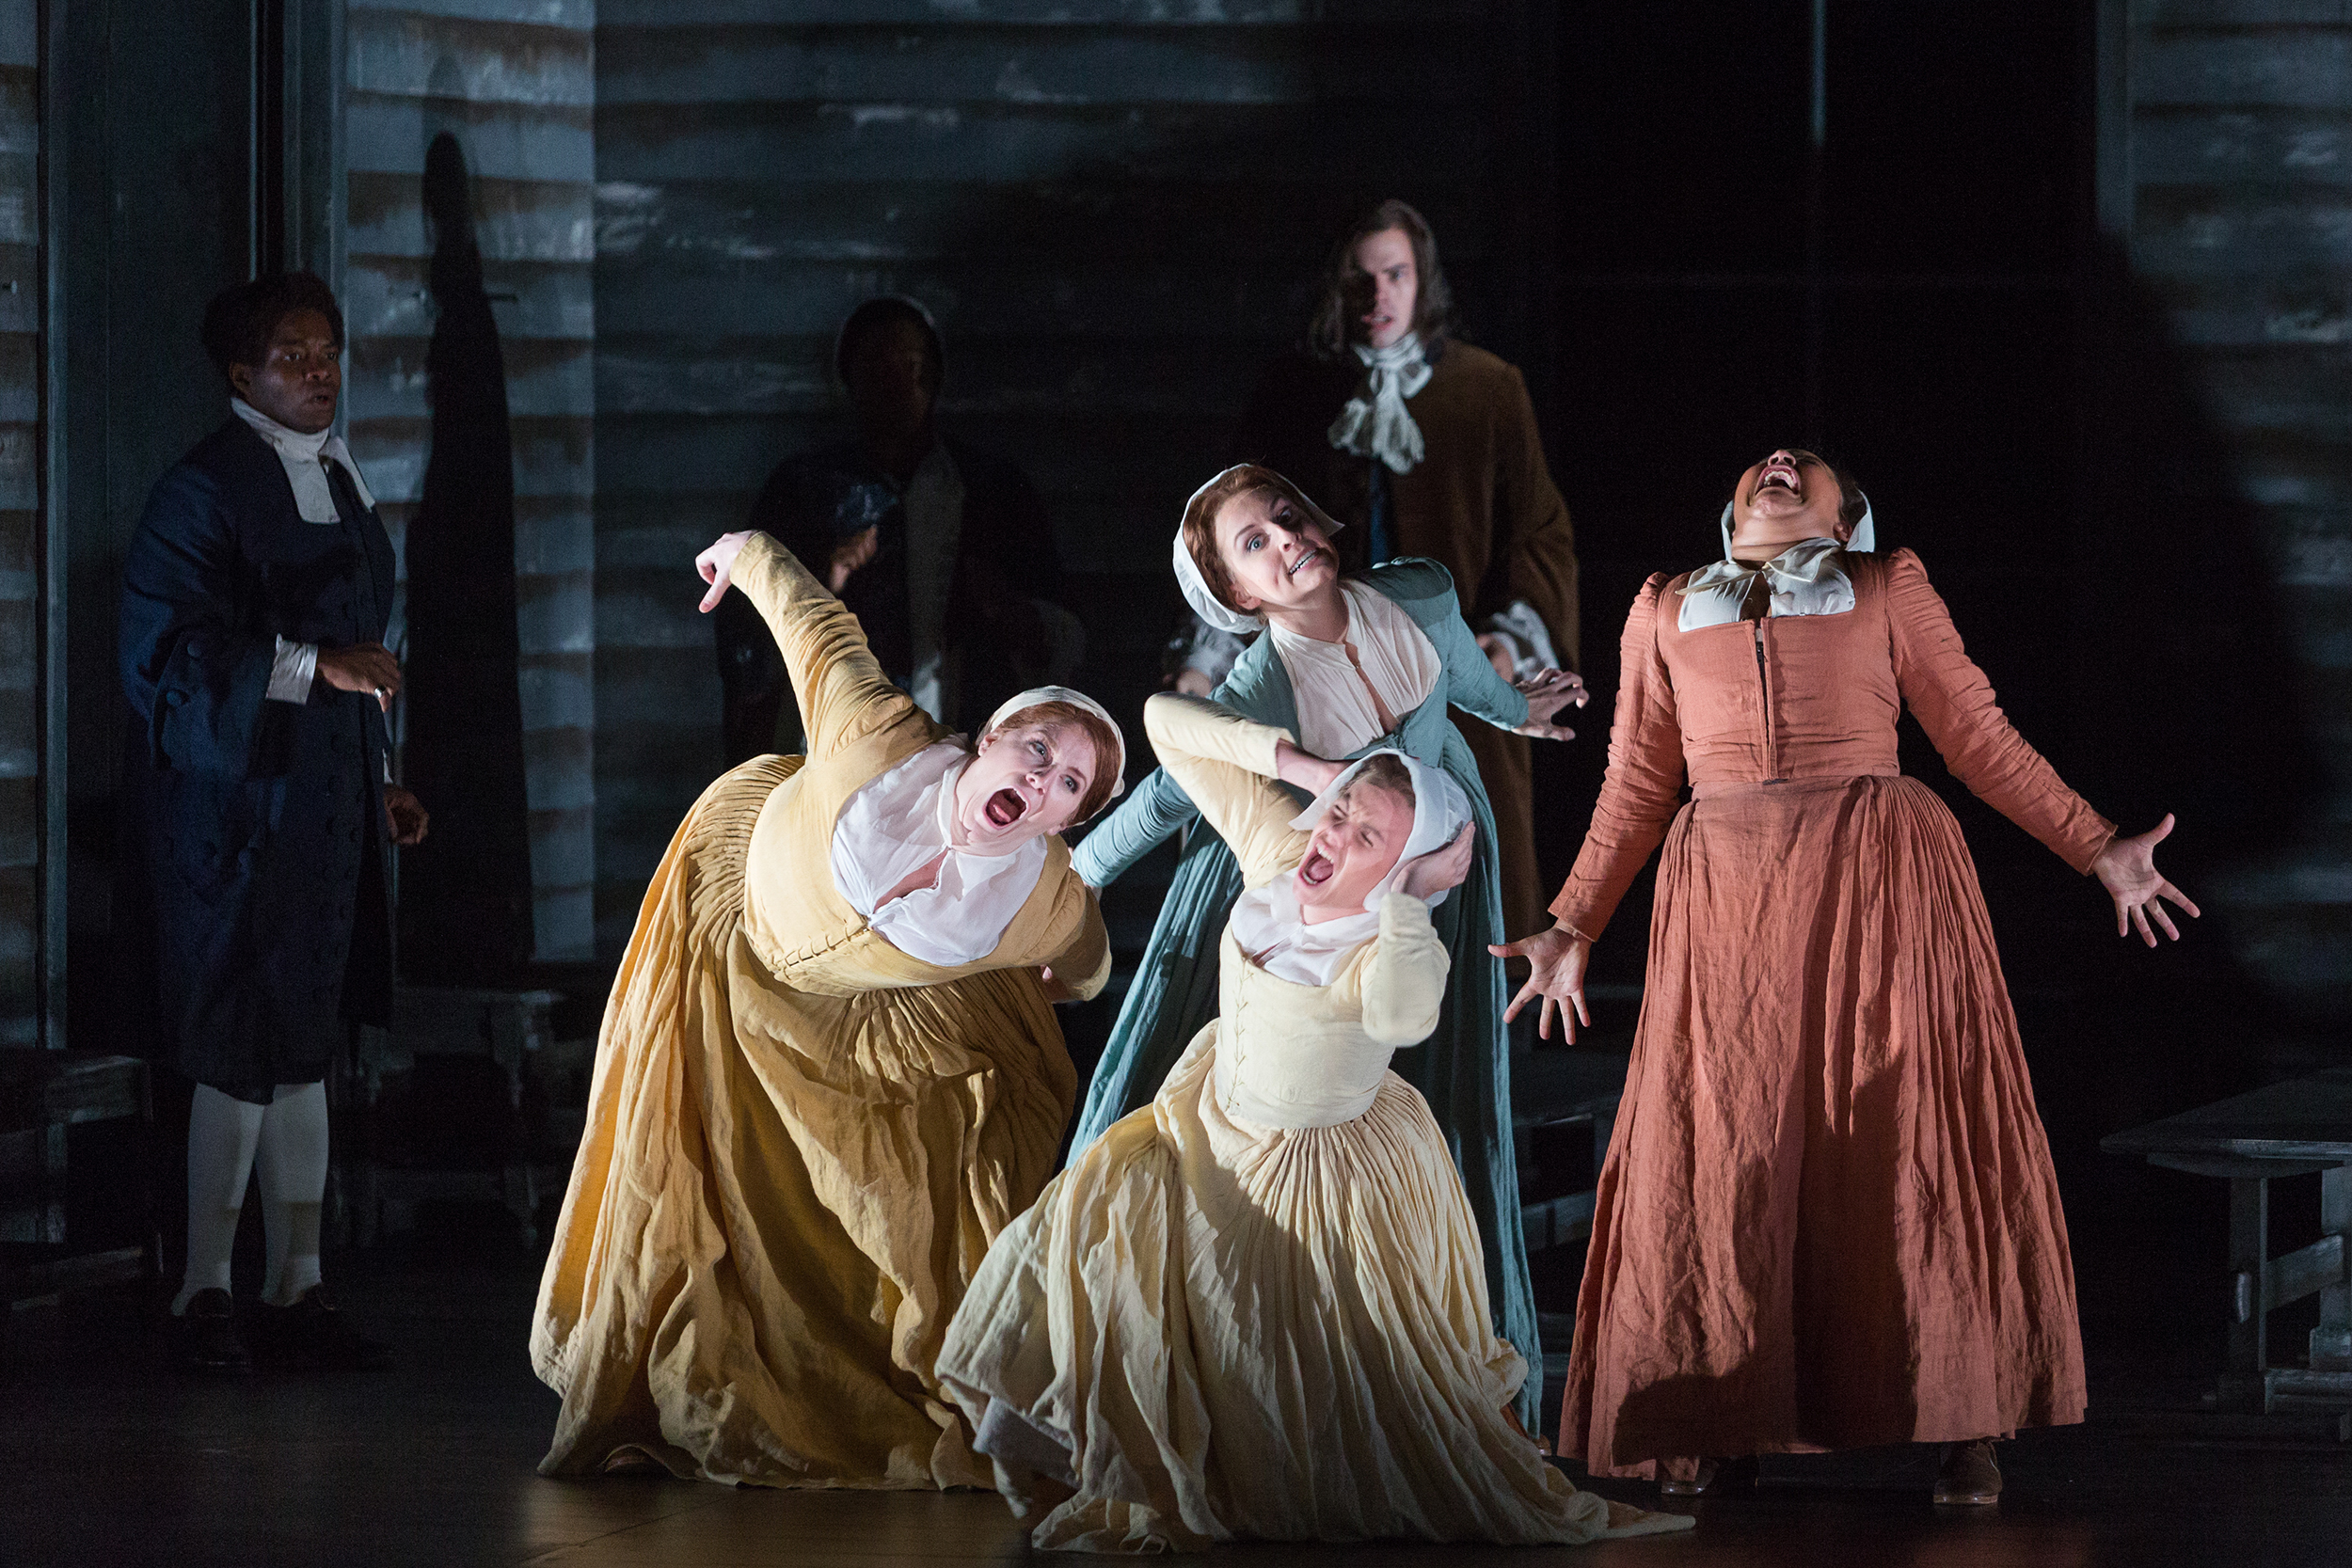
(830, 1074)
(1257, 1306)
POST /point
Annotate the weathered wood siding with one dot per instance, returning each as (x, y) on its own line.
(2226, 174)
(22, 644)
(514, 81)
(1115, 211)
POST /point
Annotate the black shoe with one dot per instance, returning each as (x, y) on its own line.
(207, 1331)
(311, 1336)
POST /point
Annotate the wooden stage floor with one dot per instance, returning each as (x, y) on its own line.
(108, 1460)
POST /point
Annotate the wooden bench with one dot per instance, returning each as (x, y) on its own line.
(42, 1094)
(2290, 1129)
(1559, 1097)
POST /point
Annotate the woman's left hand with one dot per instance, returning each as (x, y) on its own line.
(1546, 693)
(1426, 876)
(2129, 867)
(1055, 989)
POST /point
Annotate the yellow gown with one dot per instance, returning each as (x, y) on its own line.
(800, 1141)
(1257, 1306)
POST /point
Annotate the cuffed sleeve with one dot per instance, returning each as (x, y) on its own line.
(1955, 704)
(291, 672)
(1404, 978)
(1643, 788)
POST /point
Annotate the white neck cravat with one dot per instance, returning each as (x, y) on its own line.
(1376, 423)
(304, 456)
(1805, 579)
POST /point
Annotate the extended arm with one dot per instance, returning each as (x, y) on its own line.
(843, 693)
(193, 668)
(1151, 811)
(1954, 704)
(1228, 765)
(1642, 790)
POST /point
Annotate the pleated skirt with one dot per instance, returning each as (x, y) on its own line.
(1462, 1071)
(1227, 1331)
(1827, 1218)
(781, 1195)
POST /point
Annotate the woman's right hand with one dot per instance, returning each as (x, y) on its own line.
(1441, 869)
(851, 553)
(1309, 772)
(1555, 960)
(368, 667)
(717, 563)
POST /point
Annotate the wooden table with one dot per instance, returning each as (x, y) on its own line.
(2291, 1128)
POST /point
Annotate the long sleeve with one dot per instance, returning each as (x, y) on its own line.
(1405, 975)
(1151, 811)
(1226, 764)
(1542, 568)
(1954, 704)
(843, 693)
(195, 668)
(1642, 790)
(1472, 684)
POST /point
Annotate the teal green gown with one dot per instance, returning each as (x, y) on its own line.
(1464, 1068)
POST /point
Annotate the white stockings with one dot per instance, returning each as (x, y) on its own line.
(226, 1140)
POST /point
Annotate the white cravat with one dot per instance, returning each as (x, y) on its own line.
(304, 458)
(1805, 579)
(1376, 423)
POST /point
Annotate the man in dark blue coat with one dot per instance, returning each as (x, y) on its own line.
(941, 549)
(257, 813)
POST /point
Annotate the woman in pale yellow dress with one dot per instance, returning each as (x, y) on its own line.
(1257, 1306)
(830, 1074)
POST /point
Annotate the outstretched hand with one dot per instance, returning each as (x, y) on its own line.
(1555, 959)
(2127, 866)
(1426, 876)
(716, 563)
(1546, 693)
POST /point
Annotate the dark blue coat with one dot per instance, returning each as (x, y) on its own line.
(253, 829)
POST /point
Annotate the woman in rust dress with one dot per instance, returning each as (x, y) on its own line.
(1827, 1218)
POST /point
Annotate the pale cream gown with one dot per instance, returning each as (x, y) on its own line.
(1257, 1308)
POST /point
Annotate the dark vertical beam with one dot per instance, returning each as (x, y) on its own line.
(2244, 1385)
(1816, 221)
(56, 345)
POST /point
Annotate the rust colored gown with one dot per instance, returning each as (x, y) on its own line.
(1827, 1218)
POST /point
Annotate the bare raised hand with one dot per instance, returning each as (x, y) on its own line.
(1546, 693)
(1555, 959)
(2127, 866)
(1425, 876)
(716, 564)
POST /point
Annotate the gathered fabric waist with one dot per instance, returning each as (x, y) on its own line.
(1245, 1101)
(1721, 789)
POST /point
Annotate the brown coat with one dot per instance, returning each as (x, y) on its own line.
(1481, 503)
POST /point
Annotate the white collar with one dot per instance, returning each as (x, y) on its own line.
(300, 454)
(1806, 578)
(1375, 423)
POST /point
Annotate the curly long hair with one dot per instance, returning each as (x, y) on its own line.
(1433, 305)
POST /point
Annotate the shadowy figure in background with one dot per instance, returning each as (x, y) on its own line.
(941, 551)
(465, 897)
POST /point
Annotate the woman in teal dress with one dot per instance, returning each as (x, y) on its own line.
(1346, 666)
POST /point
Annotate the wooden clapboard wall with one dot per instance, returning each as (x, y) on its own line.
(1115, 208)
(515, 81)
(21, 375)
(2226, 180)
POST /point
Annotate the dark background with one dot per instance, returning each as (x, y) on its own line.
(2068, 287)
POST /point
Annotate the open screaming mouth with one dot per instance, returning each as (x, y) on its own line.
(1315, 870)
(1004, 808)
